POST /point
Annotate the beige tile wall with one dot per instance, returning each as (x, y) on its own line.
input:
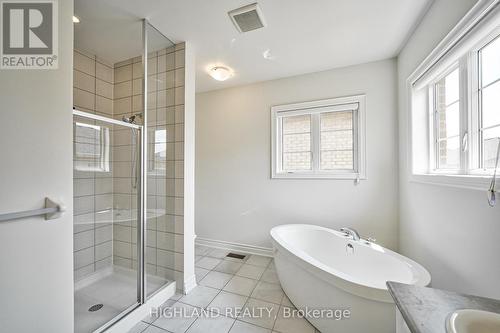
(92, 84)
(93, 92)
(116, 91)
(164, 235)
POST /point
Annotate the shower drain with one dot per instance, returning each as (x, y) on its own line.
(95, 307)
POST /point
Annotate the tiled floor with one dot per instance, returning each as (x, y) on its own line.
(228, 283)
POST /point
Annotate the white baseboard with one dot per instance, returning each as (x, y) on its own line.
(237, 247)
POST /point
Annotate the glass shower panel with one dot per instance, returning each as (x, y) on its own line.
(108, 45)
(160, 255)
(105, 221)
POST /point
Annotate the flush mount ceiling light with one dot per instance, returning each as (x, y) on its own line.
(76, 19)
(220, 73)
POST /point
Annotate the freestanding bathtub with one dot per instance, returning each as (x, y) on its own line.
(321, 269)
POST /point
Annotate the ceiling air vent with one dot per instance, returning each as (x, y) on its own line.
(247, 18)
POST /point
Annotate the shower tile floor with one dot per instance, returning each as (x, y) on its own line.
(116, 292)
(225, 282)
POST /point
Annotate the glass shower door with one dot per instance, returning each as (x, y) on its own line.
(106, 187)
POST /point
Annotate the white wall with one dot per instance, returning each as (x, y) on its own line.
(36, 256)
(237, 201)
(452, 232)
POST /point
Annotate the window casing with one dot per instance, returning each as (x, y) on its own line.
(319, 139)
(455, 105)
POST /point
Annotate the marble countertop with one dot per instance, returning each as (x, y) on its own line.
(426, 310)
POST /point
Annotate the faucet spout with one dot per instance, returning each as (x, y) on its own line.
(351, 232)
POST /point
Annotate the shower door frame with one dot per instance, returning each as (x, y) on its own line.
(140, 199)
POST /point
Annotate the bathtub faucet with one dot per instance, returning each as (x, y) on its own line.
(351, 232)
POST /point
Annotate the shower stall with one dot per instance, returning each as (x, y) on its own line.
(128, 171)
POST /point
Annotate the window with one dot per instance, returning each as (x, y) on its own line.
(446, 121)
(91, 147)
(337, 140)
(489, 103)
(455, 105)
(320, 139)
(159, 151)
(296, 143)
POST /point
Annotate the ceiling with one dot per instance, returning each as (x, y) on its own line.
(302, 36)
(111, 32)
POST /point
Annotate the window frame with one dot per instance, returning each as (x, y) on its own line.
(315, 109)
(477, 29)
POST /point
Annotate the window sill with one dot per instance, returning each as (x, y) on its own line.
(471, 182)
(298, 175)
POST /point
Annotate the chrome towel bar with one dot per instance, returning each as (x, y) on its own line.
(52, 210)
